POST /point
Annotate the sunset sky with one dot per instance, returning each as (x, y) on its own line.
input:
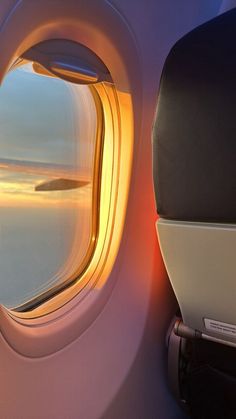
(41, 120)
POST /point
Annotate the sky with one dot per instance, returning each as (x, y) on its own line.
(49, 121)
(47, 131)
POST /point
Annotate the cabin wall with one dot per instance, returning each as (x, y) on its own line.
(117, 367)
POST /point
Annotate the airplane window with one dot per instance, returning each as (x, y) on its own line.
(47, 153)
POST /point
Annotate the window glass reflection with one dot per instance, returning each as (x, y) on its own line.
(47, 146)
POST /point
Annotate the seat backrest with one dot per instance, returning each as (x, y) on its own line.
(194, 164)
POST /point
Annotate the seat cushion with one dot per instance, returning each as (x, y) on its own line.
(194, 135)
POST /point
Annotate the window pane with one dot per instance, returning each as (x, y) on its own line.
(48, 131)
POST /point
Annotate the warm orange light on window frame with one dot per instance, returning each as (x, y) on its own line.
(113, 168)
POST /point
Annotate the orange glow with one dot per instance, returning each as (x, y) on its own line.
(117, 195)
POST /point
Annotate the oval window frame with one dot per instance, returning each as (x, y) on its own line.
(42, 333)
(87, 278)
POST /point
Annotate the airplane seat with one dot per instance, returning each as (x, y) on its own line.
(194, 167)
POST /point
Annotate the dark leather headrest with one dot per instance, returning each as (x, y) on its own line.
(194, 137)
